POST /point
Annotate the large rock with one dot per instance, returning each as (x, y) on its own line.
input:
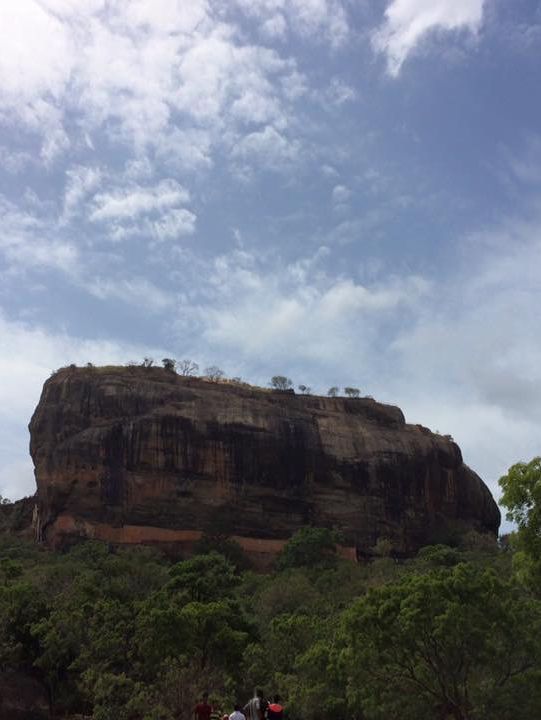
(135, 455)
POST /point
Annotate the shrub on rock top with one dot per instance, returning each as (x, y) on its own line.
(281, 382)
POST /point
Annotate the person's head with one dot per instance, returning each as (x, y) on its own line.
(277, 698)
(238, 708)
(205, 697)
(259, 693)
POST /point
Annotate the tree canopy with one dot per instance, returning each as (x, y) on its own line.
(453, 641)
(281, 382)
(126, 633)
(521, 495)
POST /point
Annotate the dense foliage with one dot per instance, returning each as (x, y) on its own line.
(124, 634)
(521, 496)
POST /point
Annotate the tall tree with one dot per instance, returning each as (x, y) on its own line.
(456, 642)
(187, 368)
(522, 497)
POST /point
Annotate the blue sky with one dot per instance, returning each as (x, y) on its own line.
(343, 191)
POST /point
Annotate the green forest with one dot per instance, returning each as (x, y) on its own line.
(127, 634)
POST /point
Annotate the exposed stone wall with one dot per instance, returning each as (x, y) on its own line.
(143, 453)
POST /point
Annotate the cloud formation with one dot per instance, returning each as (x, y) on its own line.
(28, 241)
(240, 182)
(153, 210)
(323, 20)
(134, 69)
(407, 22)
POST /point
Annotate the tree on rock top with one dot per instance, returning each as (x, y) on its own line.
(169, 364)
(214, 373)
(187, 368)
(281, 382)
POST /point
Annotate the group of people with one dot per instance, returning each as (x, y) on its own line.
(258, 708)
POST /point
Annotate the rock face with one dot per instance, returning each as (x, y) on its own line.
(133, 455)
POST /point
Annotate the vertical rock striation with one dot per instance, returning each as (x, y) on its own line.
(143, 455)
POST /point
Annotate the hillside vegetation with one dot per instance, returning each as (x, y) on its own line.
(124, 634)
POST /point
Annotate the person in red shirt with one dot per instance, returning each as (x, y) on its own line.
(203, 710)
(275, 711)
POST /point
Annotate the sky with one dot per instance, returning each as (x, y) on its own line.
(346, 192)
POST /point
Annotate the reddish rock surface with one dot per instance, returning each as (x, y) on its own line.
(141, 455)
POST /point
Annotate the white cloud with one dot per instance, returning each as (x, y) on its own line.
(36, 52)
(320, 20)
(257, 108)
(33, 242)
(37, 252)
(219, 81)
(136, 200)
(56, 141)
(323, 19)
(36, 63)
(36, 240)
(188, 149)
(340, 92)
(154, 210)
(173, 224)
(137, 169)
(135, 291)
(165, 16)
(407, 22)
(274, 26)
(28, 241)
(151, 74)
(71, 9)
(260, 308)
(478, 351)
(267, 149)
(498, 323)
(14, 161)
(329, 171)
(340, 194)
(81, 181)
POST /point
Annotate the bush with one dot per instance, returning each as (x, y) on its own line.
(214, 373)
(281, 382)
(309, 547)
(169, 364)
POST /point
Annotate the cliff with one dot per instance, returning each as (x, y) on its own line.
(134, 455)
